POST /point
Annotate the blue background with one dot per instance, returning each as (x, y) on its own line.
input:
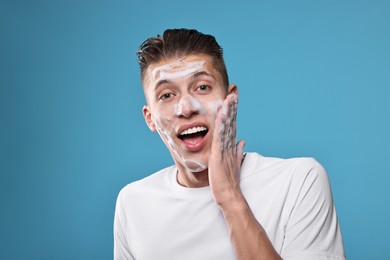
(313, 79)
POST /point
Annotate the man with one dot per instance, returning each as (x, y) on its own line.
(216, 202)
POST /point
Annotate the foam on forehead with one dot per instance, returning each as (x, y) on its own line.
(177, 69)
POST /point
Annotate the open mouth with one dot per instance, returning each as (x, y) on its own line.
(193, 133)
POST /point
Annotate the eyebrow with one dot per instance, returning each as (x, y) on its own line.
(201, 73)
(193, 76)
(161, 82)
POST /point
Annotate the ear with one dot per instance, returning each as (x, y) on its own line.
(148, 118)
(233, 89)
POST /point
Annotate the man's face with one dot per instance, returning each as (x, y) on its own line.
(183, 98)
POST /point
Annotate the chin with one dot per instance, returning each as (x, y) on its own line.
(195, 165)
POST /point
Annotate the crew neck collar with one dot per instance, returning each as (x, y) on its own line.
(185, 192)
(202, 192)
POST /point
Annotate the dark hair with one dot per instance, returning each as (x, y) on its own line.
(181, 42)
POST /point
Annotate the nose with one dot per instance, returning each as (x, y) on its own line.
(187, 106)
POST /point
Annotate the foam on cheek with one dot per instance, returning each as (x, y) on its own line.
(166, 135)
(177, 69)
(213, 107)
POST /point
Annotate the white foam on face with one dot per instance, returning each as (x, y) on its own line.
(165, 122)
(172, 71)
(166, 136)
(178, 69)
(206, 108)
(214, 106)
(188, 103)
(195, 166)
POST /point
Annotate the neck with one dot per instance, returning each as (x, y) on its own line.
(190, 179)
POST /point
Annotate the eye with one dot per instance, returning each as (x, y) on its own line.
(203, 88)
(165, 96)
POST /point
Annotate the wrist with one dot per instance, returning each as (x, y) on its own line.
(235, 204)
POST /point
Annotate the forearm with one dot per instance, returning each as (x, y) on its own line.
(248, 237)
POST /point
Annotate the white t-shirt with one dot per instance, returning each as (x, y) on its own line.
(156, 218)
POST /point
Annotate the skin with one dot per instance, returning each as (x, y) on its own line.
(188, 91)
(185, 92)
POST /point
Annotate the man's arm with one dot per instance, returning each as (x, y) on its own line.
(248, 237)
(121, 250)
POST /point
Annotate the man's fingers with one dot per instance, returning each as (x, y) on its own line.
(225, 124)
(240, 151)
(233, 116)
(218, 126)
(230, 138)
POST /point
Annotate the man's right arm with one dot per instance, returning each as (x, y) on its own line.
(121, 249)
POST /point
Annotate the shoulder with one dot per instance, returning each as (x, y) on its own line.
(298, 167)
(152, 183)
(293, 175)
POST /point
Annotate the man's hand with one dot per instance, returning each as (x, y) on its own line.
(248, 237)
(226, 156)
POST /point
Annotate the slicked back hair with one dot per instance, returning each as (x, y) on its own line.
(177, 43)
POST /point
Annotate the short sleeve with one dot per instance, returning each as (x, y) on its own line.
(121, 249)
(312, 230)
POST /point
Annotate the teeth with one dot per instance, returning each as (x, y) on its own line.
(193, 130)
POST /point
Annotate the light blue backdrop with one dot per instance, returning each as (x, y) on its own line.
(313, 78)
